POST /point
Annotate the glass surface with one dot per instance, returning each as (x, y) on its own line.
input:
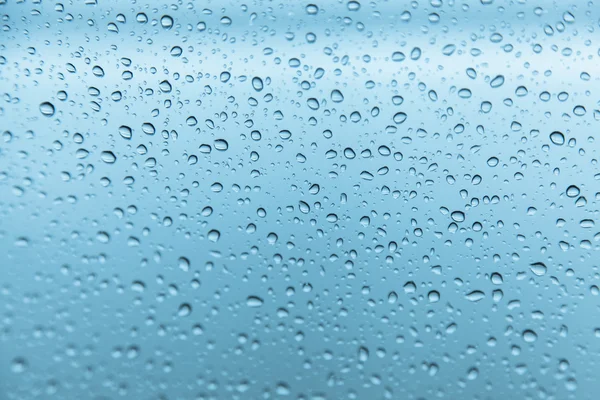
(314, 201)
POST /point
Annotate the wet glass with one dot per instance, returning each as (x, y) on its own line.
(299, 200)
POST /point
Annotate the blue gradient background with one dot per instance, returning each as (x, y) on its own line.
(74, 324)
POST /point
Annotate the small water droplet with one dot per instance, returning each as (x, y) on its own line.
(47, 109)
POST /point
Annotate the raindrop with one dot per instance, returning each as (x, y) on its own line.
(538, 268)
(353, 5)
(18, 365)
(108, 157)
(572, 191)
(557, 138)
(184, 310)
(337, 96)
(529, 336)
(458, 216)
(497, 81)
(254, 301)
(166, 21)
(125, 132)
(257, 84)
(184, 264)
(398, 56)
(148, 128)
(475, 295)
(47, 109)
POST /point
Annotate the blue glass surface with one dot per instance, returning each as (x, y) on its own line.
(285, 199)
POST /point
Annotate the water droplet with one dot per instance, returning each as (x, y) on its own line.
(184, 264)
(398, 56)
(214, 235)
(148, 128)
(337, 96)
(185, 309)
(108, 157)
(254, 301)
(221, 144)
(400, 117)
(257, 84)
(458, 216)
(497, 81)
(363, 354)
(138, 286)
(475, 295)
(125, 132)
(557, 138)
(433, 296)
(529, 336)
(47, 109)
(165, 86)
(572, 191)
(538, 268)
(312, 9)
(166, 21)
(353, 5)
(19, 365)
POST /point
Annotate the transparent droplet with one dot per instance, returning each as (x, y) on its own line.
(47, 109)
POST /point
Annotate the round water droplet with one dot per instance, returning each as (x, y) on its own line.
(221, 144)
(398, 56)
(138, 286)
(103, 237)
(493, 161)
(349, 153)
(184, 264)
(166, 21)
(98, 71)
(165, 86)
(449, 49)
(257, 84)
(337, 96)
(214, 235)
(353, 5)
(557, 138)
(141, 18)
(400, 117)
(410, 287)
(148, 128)
(18, 365)
(304, 207)
(313, 103)
(125, 132)
(458, 216)
(285, 134)
(433, 296)
(312, 9)
(108, 157)
(573, 191)
(415, 53)
(497, 81)
(184, 310)
(529, 336)
(319, 72)
(254, 301)
(47, 109)
(363, 354)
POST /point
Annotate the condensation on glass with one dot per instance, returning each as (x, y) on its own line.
(285, 199)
